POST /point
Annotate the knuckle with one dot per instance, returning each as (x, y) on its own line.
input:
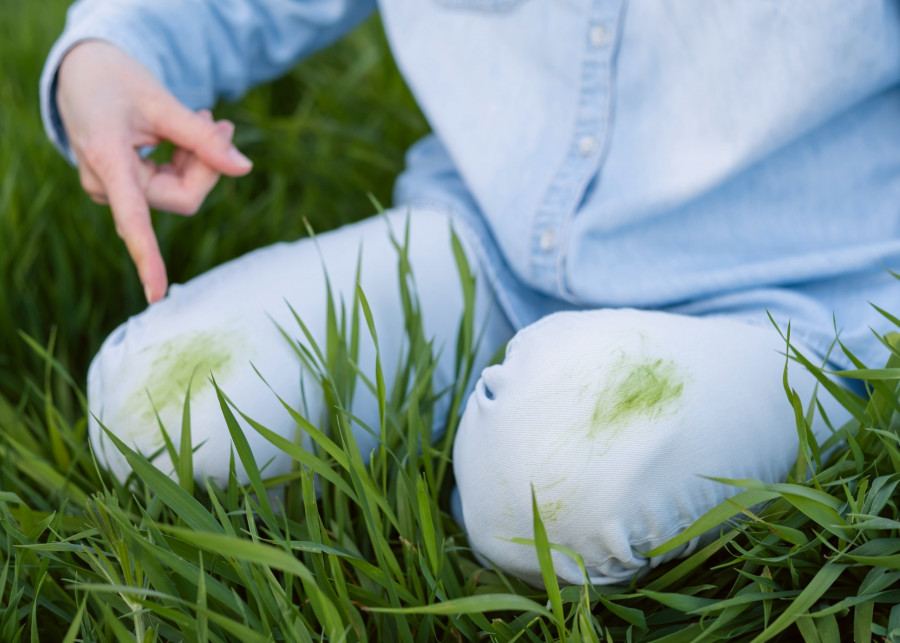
(210, 132)
(208, 135)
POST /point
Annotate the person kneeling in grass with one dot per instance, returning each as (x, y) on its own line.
(637, 186)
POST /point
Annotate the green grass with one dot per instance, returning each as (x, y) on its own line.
(354, 552)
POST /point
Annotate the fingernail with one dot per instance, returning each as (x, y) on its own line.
(147, 293)
(239, 158)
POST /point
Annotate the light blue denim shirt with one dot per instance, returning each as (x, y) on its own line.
(700, 157)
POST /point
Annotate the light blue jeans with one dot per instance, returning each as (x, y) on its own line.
(616, 420)
(228, 322)
(612, 417)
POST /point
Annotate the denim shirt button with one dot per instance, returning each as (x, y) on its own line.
(547, 241)
(587, 145)
(599, 36)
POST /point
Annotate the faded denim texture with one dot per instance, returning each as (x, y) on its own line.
(706, 158)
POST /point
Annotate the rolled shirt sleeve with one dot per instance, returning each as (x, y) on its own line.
(203, 49)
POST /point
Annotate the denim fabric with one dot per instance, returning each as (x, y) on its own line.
(617, 421)
(228, 322)
(711, 158)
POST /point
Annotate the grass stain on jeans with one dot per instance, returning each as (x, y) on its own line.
(643, 387)
(552, 510)
(185, 359)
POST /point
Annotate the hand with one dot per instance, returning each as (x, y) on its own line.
(110, 106)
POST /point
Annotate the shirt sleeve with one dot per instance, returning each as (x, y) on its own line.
(201, 49)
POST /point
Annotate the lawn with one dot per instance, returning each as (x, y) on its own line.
(364, 552)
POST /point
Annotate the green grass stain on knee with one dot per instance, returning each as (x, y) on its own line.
(182, 360)
(552, 510)
(644, 387)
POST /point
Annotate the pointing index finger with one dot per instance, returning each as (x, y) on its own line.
(131, 214)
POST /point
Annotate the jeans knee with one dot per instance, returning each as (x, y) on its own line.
(140, 381)
(612, 419)
(237, 323)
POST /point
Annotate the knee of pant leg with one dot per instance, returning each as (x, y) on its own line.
(139, 381)
(612, 418)
(225, 322)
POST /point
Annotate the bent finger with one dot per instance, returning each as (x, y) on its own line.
(190, 130)
(182, 185)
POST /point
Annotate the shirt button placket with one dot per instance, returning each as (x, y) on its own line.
(599, 36)
(561, 200)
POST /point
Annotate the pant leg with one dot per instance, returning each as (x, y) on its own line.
(613, 417)
(226, 322)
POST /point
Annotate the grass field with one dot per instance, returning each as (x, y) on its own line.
(375, 555)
